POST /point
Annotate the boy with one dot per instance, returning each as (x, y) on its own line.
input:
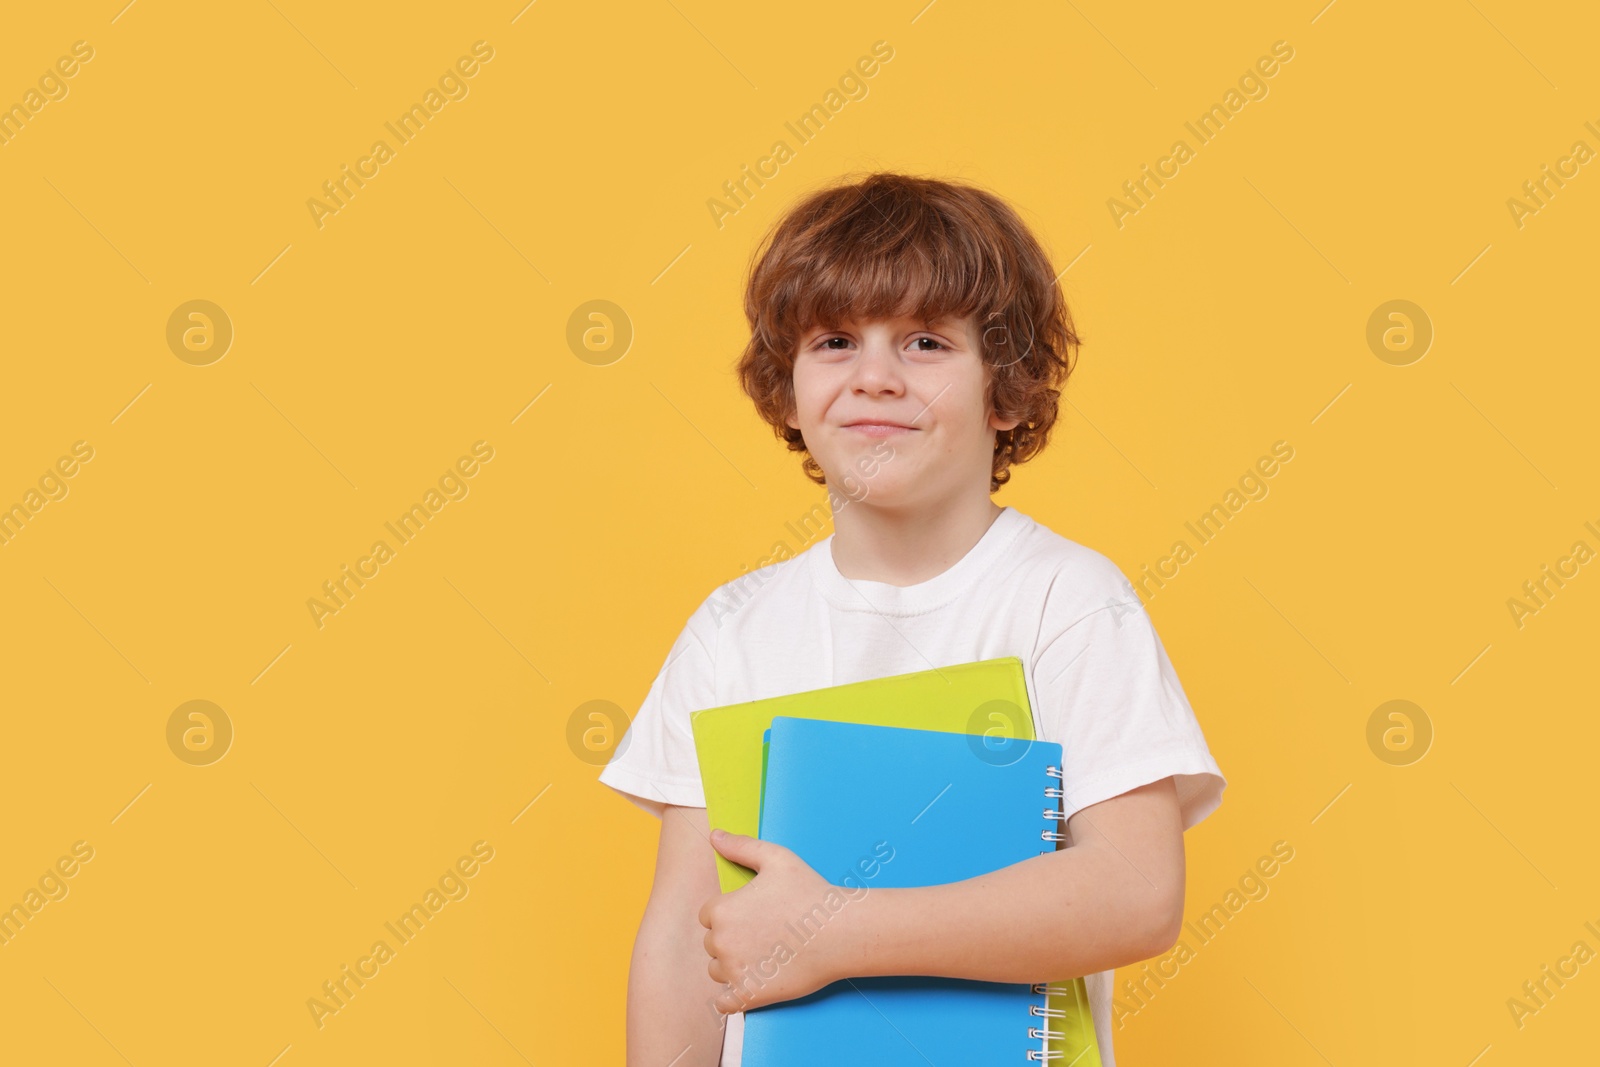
(908, 337)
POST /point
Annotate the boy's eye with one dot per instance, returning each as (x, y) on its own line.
(840, 344)
(931, 344)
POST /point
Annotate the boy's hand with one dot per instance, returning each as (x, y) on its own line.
(745, 927)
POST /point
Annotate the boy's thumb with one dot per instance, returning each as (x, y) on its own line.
(740, 848)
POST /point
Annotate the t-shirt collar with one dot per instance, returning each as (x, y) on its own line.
(857, 594)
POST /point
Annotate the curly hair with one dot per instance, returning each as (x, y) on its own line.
(891, 245)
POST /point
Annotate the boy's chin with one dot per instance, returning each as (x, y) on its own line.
(880, 495)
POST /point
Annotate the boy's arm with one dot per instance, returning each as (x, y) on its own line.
(671, 1018)
(1113, 896)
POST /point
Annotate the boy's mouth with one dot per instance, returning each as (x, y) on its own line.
(879, 429)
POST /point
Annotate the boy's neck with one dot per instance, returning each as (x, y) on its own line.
(907, 546)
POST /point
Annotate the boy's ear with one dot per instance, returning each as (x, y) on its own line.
(998, 423)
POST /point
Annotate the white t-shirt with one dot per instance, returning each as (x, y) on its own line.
(1099, 680)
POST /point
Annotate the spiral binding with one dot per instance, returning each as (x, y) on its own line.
(1043, 1011)
(1052, 813)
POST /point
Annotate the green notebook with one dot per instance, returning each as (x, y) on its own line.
(983, 697)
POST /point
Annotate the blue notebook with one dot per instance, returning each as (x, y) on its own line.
(883, 806)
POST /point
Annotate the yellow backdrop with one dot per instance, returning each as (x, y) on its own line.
(276, 274)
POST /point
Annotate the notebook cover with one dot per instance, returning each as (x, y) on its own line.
(984, 696)
(871, 806)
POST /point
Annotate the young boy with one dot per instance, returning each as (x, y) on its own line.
(908, 337)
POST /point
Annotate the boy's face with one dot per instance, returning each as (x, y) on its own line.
(896, 410)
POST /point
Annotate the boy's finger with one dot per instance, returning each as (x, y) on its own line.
(742, 849)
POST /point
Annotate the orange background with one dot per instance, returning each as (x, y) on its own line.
(431, 311)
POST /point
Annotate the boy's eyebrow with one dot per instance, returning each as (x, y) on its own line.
(948, 319)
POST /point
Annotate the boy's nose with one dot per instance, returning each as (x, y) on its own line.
(876, 370)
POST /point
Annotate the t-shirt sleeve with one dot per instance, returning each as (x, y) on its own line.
(1109, 695)
(654, 764)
